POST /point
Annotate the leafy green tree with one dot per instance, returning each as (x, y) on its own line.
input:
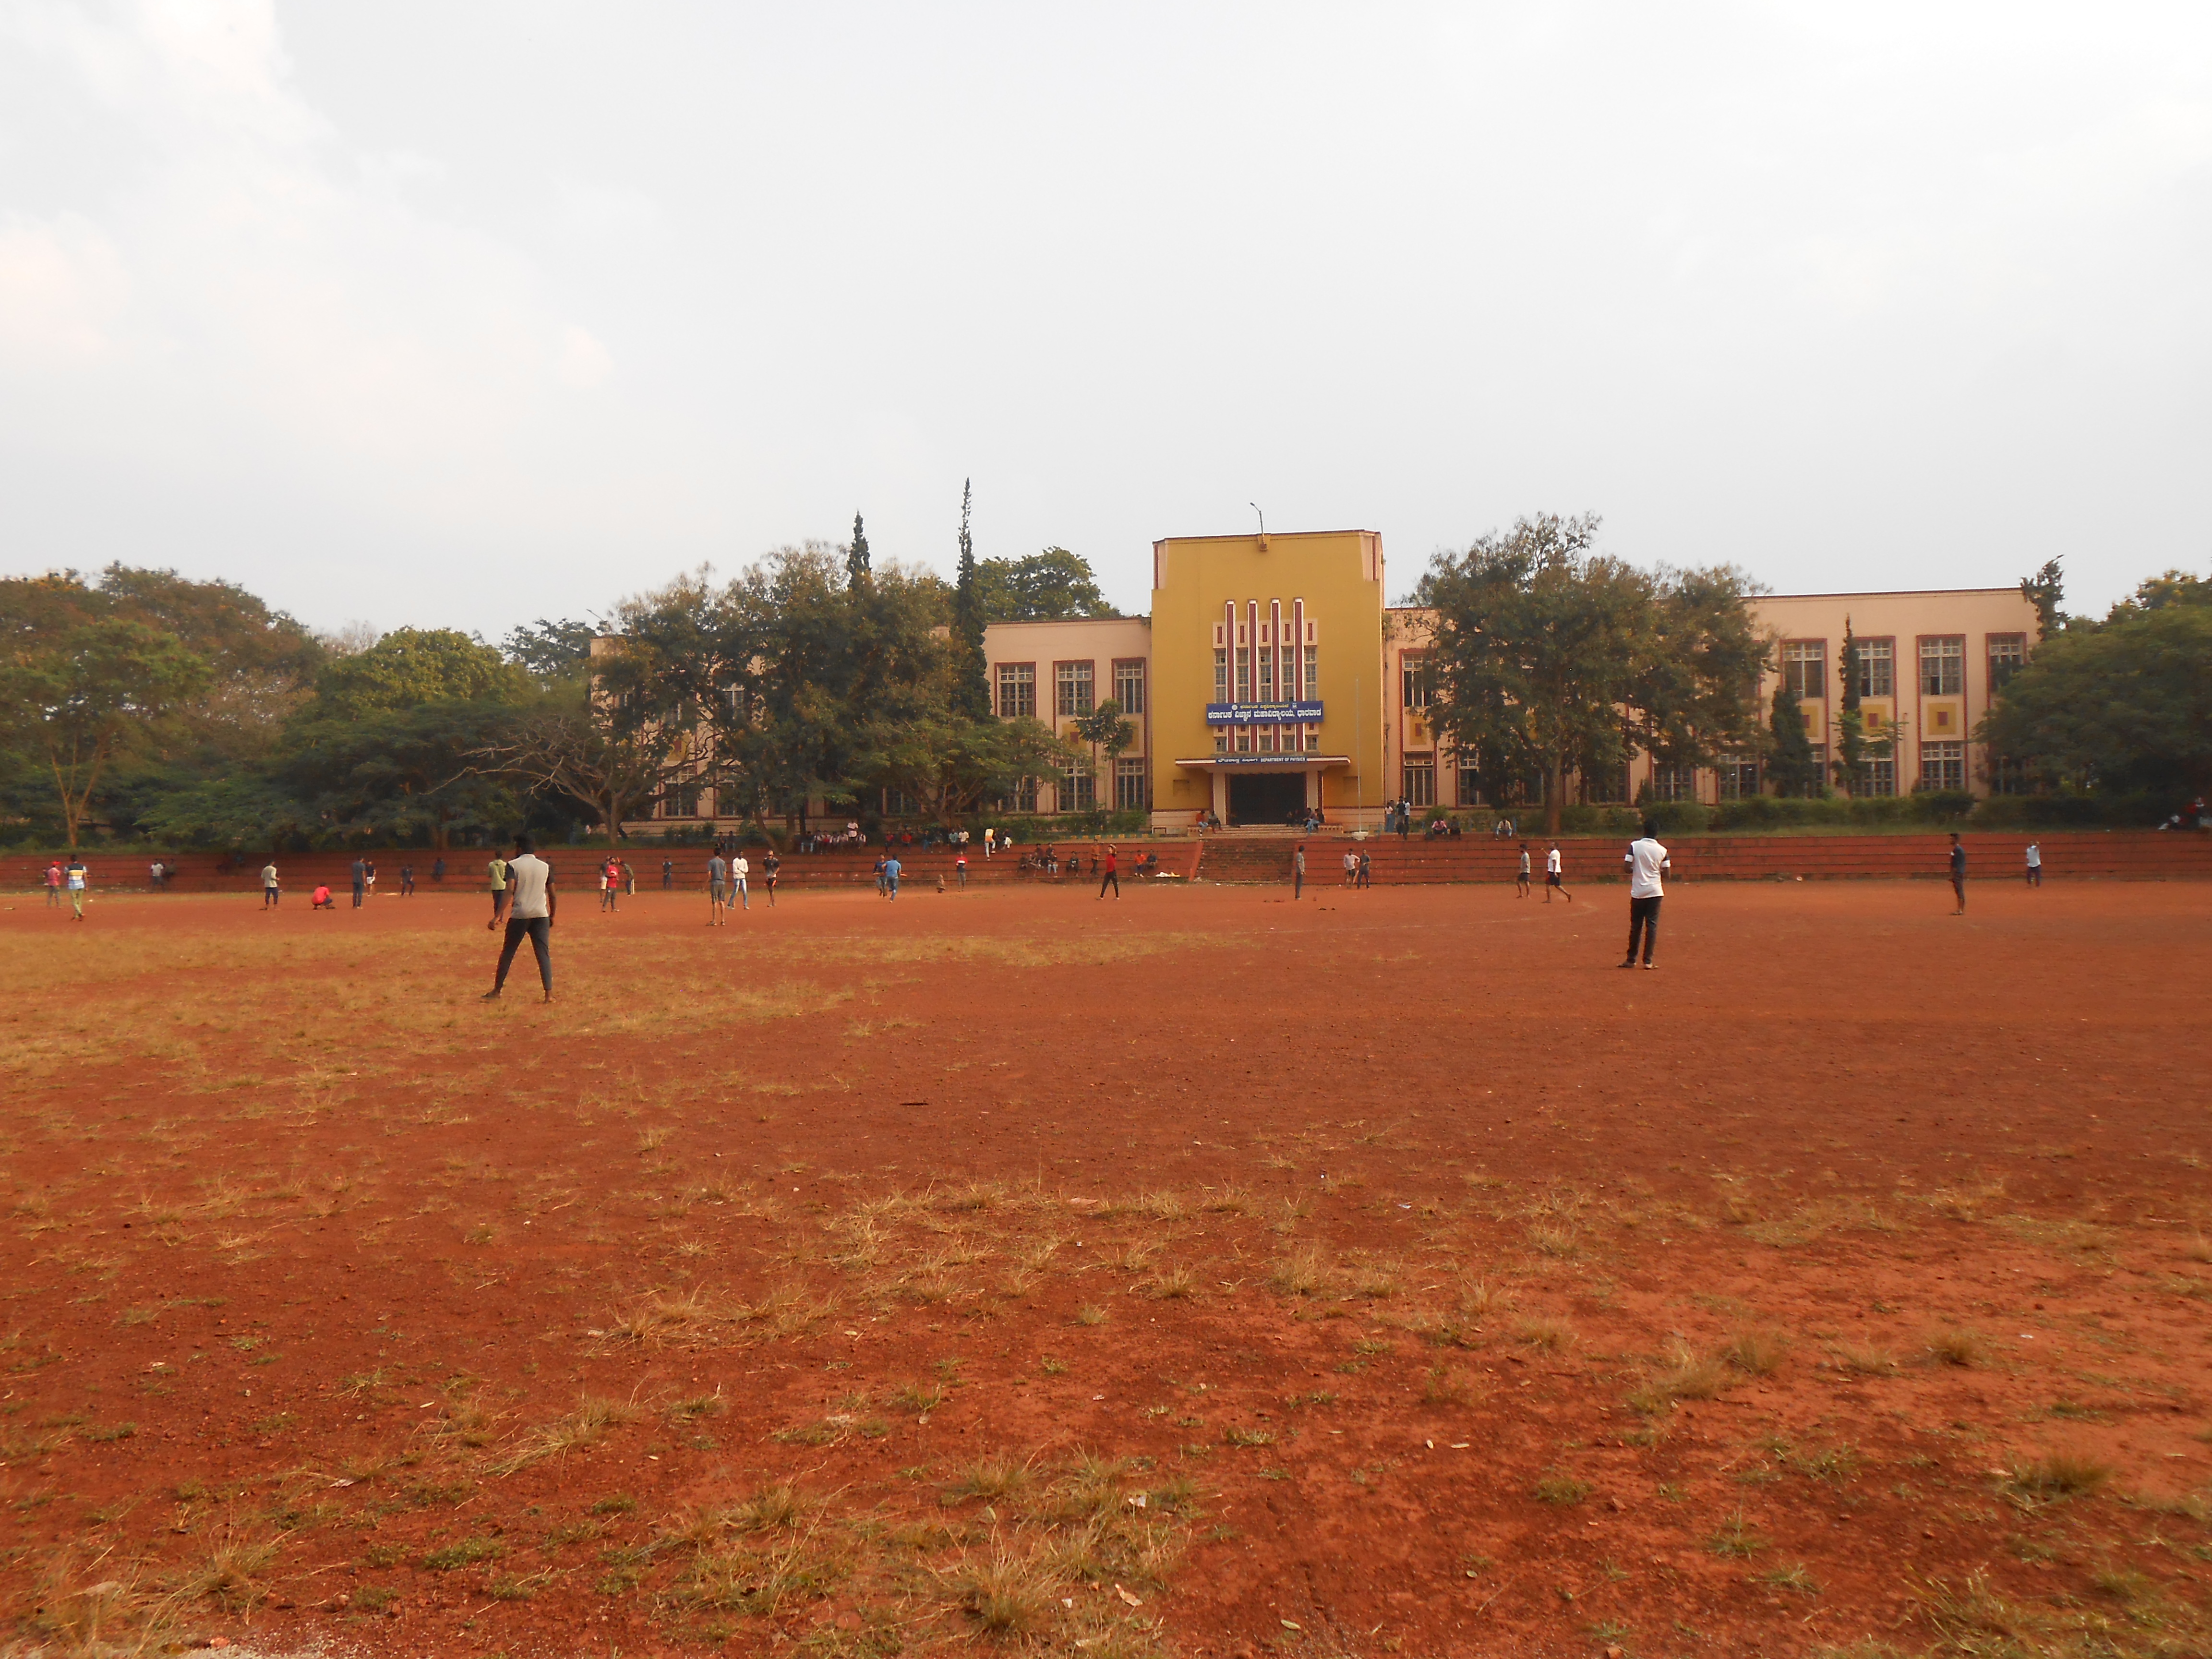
(2046, 591)
(1104, 729)
(1549, 657)
(551, 652)
(80, 699)
(413, 665)
(2122, 705)
(1790, 762)
(1053, 586)
(971, 687)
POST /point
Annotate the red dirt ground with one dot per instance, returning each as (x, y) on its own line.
(1397, 1238)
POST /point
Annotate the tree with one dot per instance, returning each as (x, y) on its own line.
(856, 556)
(565, 743)
(550, 652)
(2046, 591)
(413, 665)
(1104, 727)
(80, 699)
(1790, 761)
(1052, 586)
(971, 687)
(2121, 705)
(1549, 657)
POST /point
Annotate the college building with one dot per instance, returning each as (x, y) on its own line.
(1272, 676)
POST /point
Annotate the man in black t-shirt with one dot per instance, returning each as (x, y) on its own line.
(1958, 873)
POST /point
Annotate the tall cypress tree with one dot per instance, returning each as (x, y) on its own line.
(856, 556)
(971, 691)
(1850, 728)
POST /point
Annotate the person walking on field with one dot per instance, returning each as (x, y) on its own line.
(269, 894)
(497, 868)
(530, 915)
(1298, 870)
(1958, 873)
(629, 879)
(2034, 864)
(740, 873)
(76, 876)
(718, 873)
(1351, 866)
(610, 884)
(369, 866)
(1113, 877)
(360, 881)
(960, 867)
(1555, 874)
(54, 886)
(1366, 871)
(769, 867)
(668, 875)
(438, 871)
(407, 881)
(891, 877)
(1521, 881)
(1647, 862)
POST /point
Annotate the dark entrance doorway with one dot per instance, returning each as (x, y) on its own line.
(1266, 797)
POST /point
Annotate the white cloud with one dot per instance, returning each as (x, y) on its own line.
(62, 286)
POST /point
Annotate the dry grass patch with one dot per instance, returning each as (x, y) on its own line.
(1755, 1352)
(1549, 1335)
(1953, 1344)
(2066, 1472)
(1683, 1374)
(581, 1427)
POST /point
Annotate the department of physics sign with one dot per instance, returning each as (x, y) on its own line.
(1262, 713)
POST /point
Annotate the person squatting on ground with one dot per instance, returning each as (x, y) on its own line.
(529, 915)
(1521, 881)
(740, 874)
(1958, 873)
(1647, 862)
(498, 870)
(1111, 878)
(2034, 864)
(1555, 874)
(320, 899)
(270, 891)
(718, 875)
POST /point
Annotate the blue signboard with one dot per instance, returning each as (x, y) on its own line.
(1261, 714)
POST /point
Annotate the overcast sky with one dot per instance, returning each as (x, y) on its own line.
(463, 315)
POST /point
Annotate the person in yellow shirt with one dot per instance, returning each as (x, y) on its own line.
(498, 868)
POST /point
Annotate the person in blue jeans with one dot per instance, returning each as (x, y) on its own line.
(891, 877)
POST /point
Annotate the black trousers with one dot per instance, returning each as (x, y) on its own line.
(1113, 879)
(1642, 923)
(540, 932)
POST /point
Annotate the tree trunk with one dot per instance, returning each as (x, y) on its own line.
(1555, 790)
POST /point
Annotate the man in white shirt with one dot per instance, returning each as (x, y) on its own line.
(1647, 861)
(740, 871)
(530, 908)
(2034, 864)
(269, 891)
(1555, 875)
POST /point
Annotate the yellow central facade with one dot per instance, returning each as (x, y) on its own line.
(1264, 628)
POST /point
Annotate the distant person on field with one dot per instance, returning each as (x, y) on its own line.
(891, 877)
(438, 871)
(610, 884)
(718, 892)
(2034, 864)
(360, 881)
(153, 876)
(1297, 870)
(960, 867)
(668, 875)
(1555, 874)
(320, 899)
(1958, 873)
(1112, 876)
(498, 870)
(54, 886)
(990, 837)
(1351, 866)
(1521, 880)
(1366, 870)
(881, 860)
(740, 874)
(369, 866)
(76, 876)
(407, 881)
(530, 914)
(629, 879)
(270, 893)
(770, 866)
(1647, 862)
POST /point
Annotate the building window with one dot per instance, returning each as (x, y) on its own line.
(1129, 686)
(1943, 665)
(1220, 740)
(2007, 656)
(1606, 783)
(1877, 668)
(1877, 777)
(1739, 777)
(1244, 677)
(1266, 673)
(680, 801)
(1017, 690)
(1942, 765)
(1313, 673)
(1075, 689)
(1414, 673)
(1805, 667)
(1221, 676)
(1470, 786)
(1023, 800)
(1079, 789)
(1674, 782)
(1132, 785)
(1420, 781)
(897, 804)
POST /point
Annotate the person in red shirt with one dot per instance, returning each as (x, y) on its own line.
(322, 900)
(1112, 878)
(609, 884)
